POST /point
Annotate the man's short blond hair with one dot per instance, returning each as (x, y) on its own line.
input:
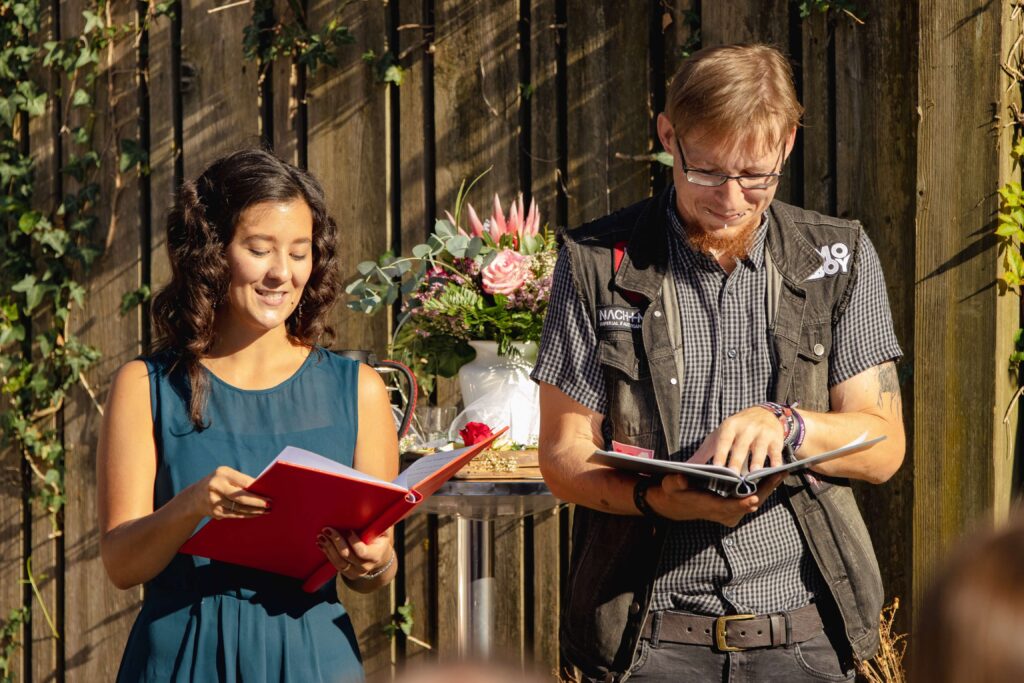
(736, 95)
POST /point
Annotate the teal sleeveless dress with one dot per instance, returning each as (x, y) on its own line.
(213, 621)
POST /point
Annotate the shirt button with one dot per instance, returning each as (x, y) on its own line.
(732, 353)
(728, 541)
(673, 381)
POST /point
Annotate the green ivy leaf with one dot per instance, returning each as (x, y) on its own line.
(80, 98)
(394, 74)
(133, 154)
(134, 298)
(10, 334)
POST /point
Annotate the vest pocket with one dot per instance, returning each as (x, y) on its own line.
(811, 369)
(632, 407)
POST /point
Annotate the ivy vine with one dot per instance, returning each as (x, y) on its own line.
(47, 243)
(1010, 222)
(268, 37)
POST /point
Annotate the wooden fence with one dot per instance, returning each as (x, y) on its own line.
(556, 97)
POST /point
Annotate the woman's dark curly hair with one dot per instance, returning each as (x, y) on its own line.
(199, 229)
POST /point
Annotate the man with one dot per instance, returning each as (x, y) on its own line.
(714, 323)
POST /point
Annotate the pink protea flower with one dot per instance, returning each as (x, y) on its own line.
(519, 223)
(506, 273)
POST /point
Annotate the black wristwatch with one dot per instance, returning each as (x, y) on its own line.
(640, 497)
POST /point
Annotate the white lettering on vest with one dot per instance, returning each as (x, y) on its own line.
(835, 259)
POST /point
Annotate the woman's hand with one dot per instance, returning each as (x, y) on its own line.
(353, 558)
(222, 495)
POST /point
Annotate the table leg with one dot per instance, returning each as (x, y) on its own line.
(475, 585)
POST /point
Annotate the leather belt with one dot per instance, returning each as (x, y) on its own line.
(734, 632)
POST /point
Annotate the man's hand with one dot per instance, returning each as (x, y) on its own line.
(753, 433)
(675, 499)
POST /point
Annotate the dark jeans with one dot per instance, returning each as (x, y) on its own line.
(812, 660)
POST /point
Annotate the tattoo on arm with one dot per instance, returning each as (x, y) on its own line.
(888, 383)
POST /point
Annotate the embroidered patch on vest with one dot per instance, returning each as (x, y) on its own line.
(835, 259)
(618, 318)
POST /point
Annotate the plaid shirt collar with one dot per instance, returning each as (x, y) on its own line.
(754, 259)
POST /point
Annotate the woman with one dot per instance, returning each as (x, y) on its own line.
(238, 377)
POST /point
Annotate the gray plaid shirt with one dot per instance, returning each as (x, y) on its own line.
(763, 564)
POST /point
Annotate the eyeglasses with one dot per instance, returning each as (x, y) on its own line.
(759, 181)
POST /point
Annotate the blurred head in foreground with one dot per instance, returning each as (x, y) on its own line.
(469, 672)
(971, 624)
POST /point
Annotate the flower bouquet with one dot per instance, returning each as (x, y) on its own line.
(472, 280)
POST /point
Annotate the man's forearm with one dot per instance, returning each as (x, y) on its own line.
(828, 431)
(572, 479)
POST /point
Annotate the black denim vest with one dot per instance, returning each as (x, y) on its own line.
(614, 557)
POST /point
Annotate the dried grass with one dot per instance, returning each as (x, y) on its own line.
(887, 665)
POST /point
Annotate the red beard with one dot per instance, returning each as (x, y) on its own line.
(735, 246)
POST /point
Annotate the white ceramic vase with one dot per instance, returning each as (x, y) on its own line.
(498, 390)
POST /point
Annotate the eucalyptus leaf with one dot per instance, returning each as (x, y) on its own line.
(444, 228)
(422, 251)
(457, 246)
(475, 246)
(366, 267)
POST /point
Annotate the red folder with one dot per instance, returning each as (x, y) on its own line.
(310, 492)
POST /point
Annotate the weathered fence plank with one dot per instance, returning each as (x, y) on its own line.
(746, 21)
(287, 78)
(546, 156)
(547, 574)
(12, 554)
(608, 106)
(875, 165)
(348, 124)
(816, 69)
(447, 588)
(163, 149)
(957, 432)
(1008, 468)
(97, 615)
(416, 201)
(476, 100)
(348, 153)
(45, 551)
(546, 126)
(218, 86)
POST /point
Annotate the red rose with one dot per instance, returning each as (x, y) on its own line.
(475, 432)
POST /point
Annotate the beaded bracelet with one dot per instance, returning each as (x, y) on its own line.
(378, 571)
(793, 427)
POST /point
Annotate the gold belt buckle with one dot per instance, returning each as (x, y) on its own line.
(720, 634)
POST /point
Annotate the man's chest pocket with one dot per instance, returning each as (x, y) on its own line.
(812, 366)
(632, 407)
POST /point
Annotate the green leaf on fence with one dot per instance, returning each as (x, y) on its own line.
(133, 154)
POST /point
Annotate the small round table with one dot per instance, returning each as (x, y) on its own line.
(476, 503)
